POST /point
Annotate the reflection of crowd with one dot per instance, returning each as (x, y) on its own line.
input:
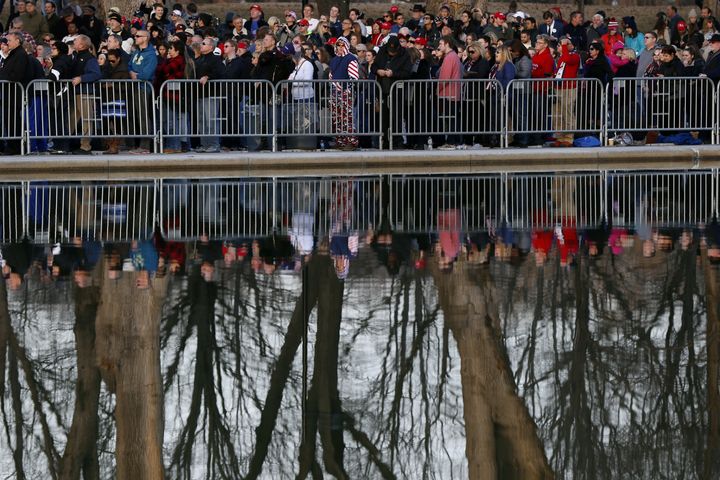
(276, 254)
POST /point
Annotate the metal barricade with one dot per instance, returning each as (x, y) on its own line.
(564, 107)
(662, 104)
(322, 206)
(421, 203)
(106, 212)
(255, 207)
(452, 112)
(671, 199)
(544, 200)
(314, 111)
(216, 209)
(238, 111)
(109, 109)
(12, 117)
(13, 212)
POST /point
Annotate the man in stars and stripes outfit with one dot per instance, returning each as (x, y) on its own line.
(344, 66)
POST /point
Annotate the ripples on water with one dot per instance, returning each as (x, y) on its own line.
(506, 353)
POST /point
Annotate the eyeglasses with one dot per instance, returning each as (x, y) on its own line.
(648, 37)
(471, 52)
(139, 36)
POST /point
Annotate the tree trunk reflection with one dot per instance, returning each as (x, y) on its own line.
(501, 437)
(128, 350)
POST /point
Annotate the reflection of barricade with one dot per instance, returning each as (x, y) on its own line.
(662, 198)
(419, 109)
(12, 118)
(544, 106)
(13, 211)
(216, 209)
(217, 109)
(544, 200)
(247, 208)
(105, 109)
(111, 212)
(186, 210)
(314, 109)
(662, 104)
(415, 201)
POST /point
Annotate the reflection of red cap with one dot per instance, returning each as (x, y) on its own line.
(420, 263)
(255, 6)
(394, 9)
(681, 26)
(421, 41)
(303, 22)
(499, 15)
(242, 251)
(386, 26)
(332, 41)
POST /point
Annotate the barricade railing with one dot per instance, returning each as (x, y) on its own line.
(255, 207)
(312, 112)
(537, 108)
(12, 117)
(13, 208)
(427, 204)
(329, 205)
(112, 110)
(452, 112)
(662, 198)
(545, 200)
(236, 113)
(216, 209)
(665, 105)
(229, 209)
(105, 212)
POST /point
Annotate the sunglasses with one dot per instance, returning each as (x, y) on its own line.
(471, 52)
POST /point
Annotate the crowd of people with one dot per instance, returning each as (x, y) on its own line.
(164, 42)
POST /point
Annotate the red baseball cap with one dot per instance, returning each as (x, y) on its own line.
(332, 41)
(304, 22)
(681, 26)
(386, 26)
(394, 9)
(499, 15)
(255, 6)
(421, 41)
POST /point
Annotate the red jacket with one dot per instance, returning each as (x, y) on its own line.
(543, 66)
(568, 66)
(609, 41)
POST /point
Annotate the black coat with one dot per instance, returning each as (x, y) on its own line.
(239, 68)
(17, 67)
(210, 66)
(400, 64)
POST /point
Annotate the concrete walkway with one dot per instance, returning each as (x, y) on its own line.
(368, 162)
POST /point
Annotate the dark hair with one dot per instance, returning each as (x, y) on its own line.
(548, 14)
(517, 47)
(599, 47)
(115, 52)
(668, 50)
(449, 40)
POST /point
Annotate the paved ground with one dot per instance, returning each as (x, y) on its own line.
(288, 163)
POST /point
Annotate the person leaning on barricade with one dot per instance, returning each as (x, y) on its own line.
(208, 67)
(15, 68)
(543, 68)
(343, 67)
(392, 64)
(86, 73)
(114, 106)
(567, 92)
(142, 68)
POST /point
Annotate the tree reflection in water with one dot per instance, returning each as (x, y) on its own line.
(589, 366)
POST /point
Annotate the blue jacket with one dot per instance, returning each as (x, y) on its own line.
(144, 63)
(637, 43)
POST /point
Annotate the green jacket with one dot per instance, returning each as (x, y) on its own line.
(35, 25)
